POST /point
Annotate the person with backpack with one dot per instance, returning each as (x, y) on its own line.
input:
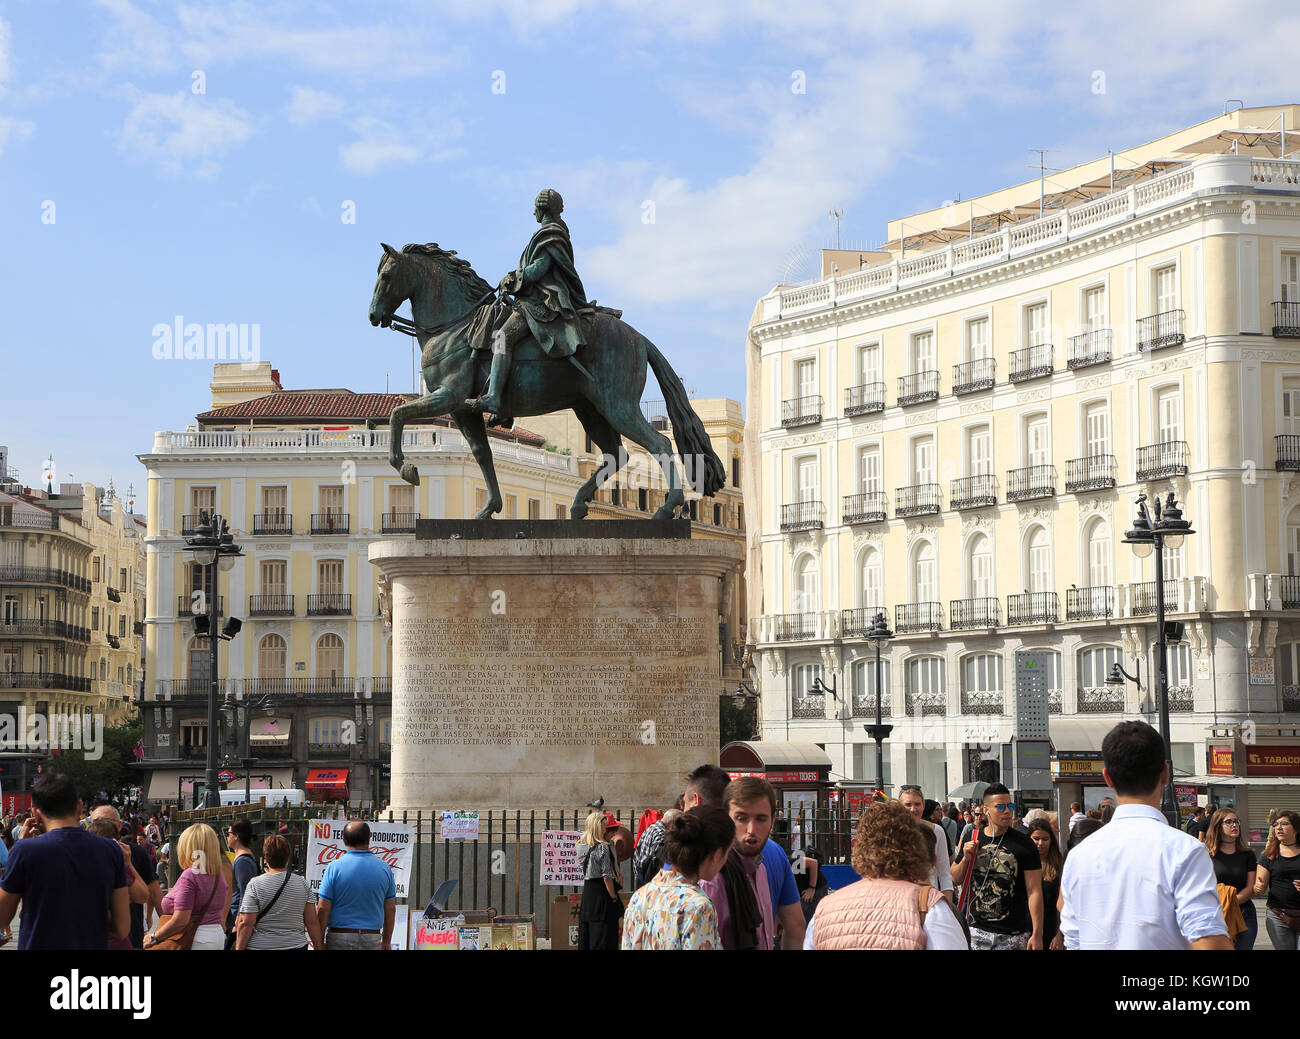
(239, 839)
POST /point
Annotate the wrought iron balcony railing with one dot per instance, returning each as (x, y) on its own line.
(803, 515)
(1033, 362)
(918, 499)
(916, 703)
(1095, 602)
(1144, 597)
(1089, 348)
(964, 614)
(794, 627)
(1167, 458)
(330, 522)
(113, 594)
(399, 522)
(1160, 331)
(973, 492)
(1055, 704)
(1288, 453)
(858, 621)
(870, 507)
(44, 680)
(982, 701)
(918, 388)
(272, 523)
(1101, 699)
(1286, 319)
(864, 399)
(810, 705)
(275, 605)
(802, 411)
(1034, 608)
(329, 604)
(28, 520)
(973, 376)
(1291, 698)
(1181, 699)
(1289, 589)
(190, 524)
(1031, 482)
(1090, 473)
(43, 575)
(911, 617)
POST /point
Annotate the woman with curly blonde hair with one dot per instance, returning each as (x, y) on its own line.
(890, 907)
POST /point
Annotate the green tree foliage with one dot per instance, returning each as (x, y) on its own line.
(110, 770)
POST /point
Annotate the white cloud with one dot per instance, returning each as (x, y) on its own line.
(6, 64)
(380, 145)
(308, 106)
(180, 131)
(14, 130)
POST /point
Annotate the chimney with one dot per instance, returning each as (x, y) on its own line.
(275, 378)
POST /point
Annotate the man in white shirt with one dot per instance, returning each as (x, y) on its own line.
(1139, 883)
(941, 873)
(1076, 815)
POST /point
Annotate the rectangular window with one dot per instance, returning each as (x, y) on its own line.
(1037, 449)
(512, 506)
(559, 511)
(979, 451)
(869, 370)
(13, 611)
(806, 378)
(1291, 406)
(331, 501)
(978, 345)
(1290, 281)
(534, 508)
(203, 499)
(1036, 324)
(1166, 288)
(275, 503)
(401, 498)
(329, 577)
(96, 570)
(923, 460)
(735, 472)
(1096, 429)
(1094, 309)
(643, 499)
(194, 734)
(869, 470)
(480, 498)
(94, 614)
(923, 352)
(272, 572)
(808, 480)
(1169, 414)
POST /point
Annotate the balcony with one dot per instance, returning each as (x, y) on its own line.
(272, 523)
(1167, 458)
(802, 411)
(270, 605)
(1291, 698)
(1288, 453)
(1181, 699)
(1033, 362)
(965, 614)
(918, 499)
(38, 628)
(865, 399)
(1101, 699)
(185, 605)
(1160, 331)
(982, 701)
(137, 627)
(973, 492)
(190, 524)
(1055, 705)
(114, 642)
(921, 704)
(1286, 320)
(812, 705)
(399, 522)
(1089, 348)
(330, 522)
(1143, 598)
(803, 515)
(44, 680)
(918, 388)
(43, 575)
(913, 617)
(329, 604)
(1034, 608)
(864, 703)
(113, 594)
(28, 520)
(858, 621)
(794, 627)
(974, 376)
(870, 507)
(329, 750)
(1289, 591)
(1031, 483)
(277, 688)
(1090, 473)
(1096, 602)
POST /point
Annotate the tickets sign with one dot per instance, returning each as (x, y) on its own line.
(391, 842)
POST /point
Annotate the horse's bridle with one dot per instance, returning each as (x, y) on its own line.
(410, 328)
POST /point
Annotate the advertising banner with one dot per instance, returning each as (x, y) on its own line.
(392, 842)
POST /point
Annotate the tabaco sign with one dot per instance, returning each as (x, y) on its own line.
(1220, 760)
(1076, 766)
(1273, 761)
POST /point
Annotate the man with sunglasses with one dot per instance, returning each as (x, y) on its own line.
(1003, 875)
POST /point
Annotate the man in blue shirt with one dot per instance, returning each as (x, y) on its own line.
(358, 897)
(69, 881)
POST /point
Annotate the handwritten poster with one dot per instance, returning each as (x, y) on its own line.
(460, 826)
(560, 857)
(392, 842)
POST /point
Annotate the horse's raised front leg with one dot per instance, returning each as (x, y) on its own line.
(428, 406)
(472, 428)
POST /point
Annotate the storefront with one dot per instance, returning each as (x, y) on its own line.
(177, 785)
(1269, 779)
(799, 771)
(326, 784)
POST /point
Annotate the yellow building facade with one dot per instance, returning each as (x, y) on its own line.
(955, 432)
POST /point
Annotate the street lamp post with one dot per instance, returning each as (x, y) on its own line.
(1147, 538)
(878, 633)
(214, 549)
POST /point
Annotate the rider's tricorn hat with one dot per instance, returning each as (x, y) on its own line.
(549, 199)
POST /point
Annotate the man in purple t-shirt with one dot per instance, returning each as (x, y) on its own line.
(70, 882)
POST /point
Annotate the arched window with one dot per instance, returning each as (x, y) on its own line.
(1038, 561)
(329, 659)
(806, 595)
(981, 684)
(807, 702)
(979, 568)
(1095, 696)
(271, 652)
(1098, 553)
(864, 687)
(871, 587)
(926, 692)
(924, 585)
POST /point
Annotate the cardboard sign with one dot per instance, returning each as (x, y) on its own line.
(392, 842)
(460, 826)
(441, 934)
(560, 858)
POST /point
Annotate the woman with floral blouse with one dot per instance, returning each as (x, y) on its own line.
(671, 912)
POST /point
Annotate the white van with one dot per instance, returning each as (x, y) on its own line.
(274, 798)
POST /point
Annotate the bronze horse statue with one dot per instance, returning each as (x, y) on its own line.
(447, 297)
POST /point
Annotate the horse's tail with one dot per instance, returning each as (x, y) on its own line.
(704, 468)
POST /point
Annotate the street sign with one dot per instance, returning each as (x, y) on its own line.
(225, 777)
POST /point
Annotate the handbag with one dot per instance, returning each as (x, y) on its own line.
(185, 939)
(1291, 917)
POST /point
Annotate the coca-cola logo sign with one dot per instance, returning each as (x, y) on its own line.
(327, 853)
(391, 843)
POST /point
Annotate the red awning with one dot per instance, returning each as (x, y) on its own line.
(327, 778)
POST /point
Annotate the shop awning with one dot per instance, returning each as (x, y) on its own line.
(1078, 733)
(327, 779)
(269, 732)
(776, 761)
(1239, 780)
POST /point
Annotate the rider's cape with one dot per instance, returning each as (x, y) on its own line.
(550, 299)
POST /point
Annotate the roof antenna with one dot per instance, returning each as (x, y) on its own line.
(1233, 100)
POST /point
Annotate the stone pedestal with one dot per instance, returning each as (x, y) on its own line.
(546, 672)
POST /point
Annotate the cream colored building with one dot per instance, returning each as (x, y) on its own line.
(954, 432)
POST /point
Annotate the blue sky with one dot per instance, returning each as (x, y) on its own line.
(225, 205)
